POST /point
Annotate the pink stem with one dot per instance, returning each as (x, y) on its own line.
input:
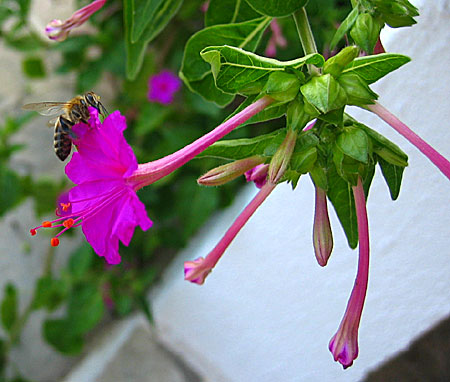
(153, 171)
(439, 161)
(214, 256)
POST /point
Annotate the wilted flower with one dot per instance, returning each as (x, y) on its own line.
(104, 201)
(344, 344)
(59, 30)
(162, 87)
(258, 175)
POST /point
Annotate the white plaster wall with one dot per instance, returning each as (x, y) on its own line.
(267, 311)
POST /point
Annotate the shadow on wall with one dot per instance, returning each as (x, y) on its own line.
(426, 360)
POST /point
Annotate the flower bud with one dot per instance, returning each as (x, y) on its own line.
(282, 157)
(227, 172)
(322, 235)
(336, 64)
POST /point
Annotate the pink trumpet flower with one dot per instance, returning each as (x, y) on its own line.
(344, 344)
(104, 201)
(59, 30)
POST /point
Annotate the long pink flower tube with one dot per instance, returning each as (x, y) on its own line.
(153, 171)
(438, 160)
(344, 344)
(59, 30)
(197, 270)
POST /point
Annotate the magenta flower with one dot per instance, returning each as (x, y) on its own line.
(59, 30)
(322, 235)
(438, 160)
(162, 87)
(104, 201)
(258, 175)
(344, 344)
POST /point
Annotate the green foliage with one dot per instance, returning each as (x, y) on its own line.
(277, 8)
(33, 67)
(8, 307)
(229, 11)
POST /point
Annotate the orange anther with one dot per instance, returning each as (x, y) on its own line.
(46, 224)
(54, 242)
(68, 223)
(33, 232)
(65, 206)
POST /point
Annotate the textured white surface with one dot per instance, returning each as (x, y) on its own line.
(267, 311)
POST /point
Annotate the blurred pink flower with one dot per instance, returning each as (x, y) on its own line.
(59, 30)
(162, 87)
(277, 39)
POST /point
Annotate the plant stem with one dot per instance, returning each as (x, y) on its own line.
(306, 36)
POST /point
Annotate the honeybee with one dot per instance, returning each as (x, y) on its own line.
(70, 113)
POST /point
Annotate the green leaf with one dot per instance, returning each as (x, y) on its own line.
(80, 261)
(33, 67)
(324, 93)
(372, 68)
(59, 334)
(393, 176)
(140, 30)
(234, 68)
(354, 143)
(341, 196)
(277, 8)
(344, 27)
(304, 160)
(49, 293)
(8, 307)
(85, 308)
(229, 12)
(11, 192)
(150, 17)
(197, 73)
(234, 149)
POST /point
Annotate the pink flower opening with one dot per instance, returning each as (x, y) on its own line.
(162, 87)
(258, 175)
(344, 344)
(59, 30)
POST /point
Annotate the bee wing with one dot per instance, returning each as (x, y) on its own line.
(46, 108)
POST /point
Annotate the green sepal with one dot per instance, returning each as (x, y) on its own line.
(282, 87)
(348, 168)
(325, 93)
(303, 161)
(397, 13)
(296, 116)
(365, 32)
(336, 64)
(358, 92)
(319, 176)
(335, 117)
(354, 143)
(372, 68)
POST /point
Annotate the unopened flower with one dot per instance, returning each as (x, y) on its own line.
(197, 270)
(59, 30)
(277, 39)
(344, 344)
(322, 235)
(162, 87)
(258, 175)
(227, 172)
(104, 201)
